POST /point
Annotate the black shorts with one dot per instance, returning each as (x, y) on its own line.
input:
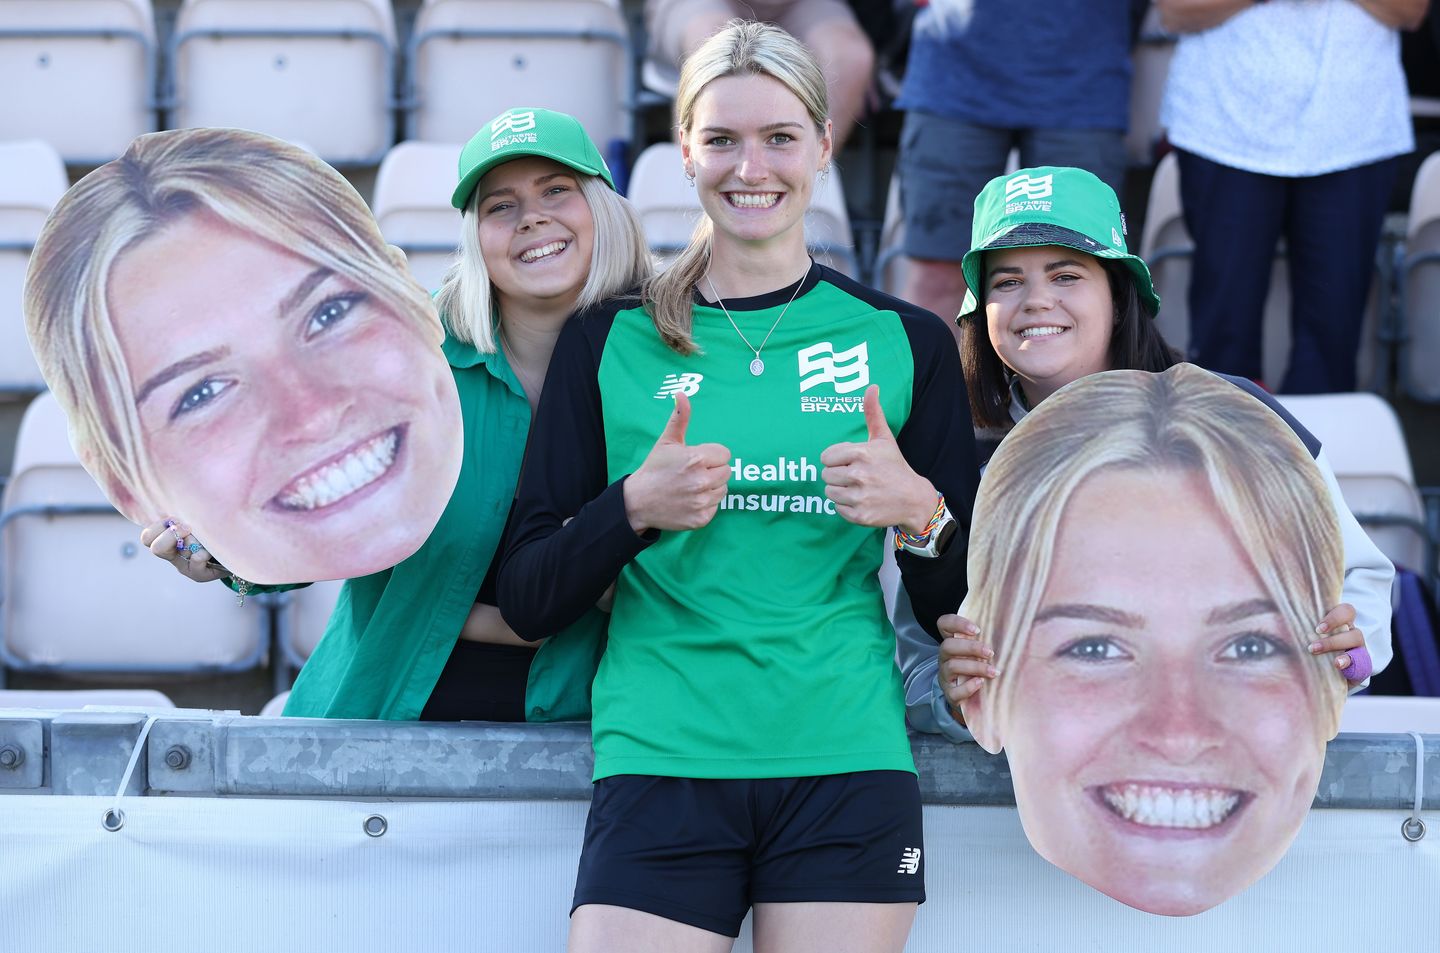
(701, 851)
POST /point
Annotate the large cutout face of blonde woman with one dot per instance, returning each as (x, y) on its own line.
(288, 399)
(1150, 553)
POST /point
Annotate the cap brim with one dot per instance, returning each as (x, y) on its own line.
(461, 195)
(1031, 234)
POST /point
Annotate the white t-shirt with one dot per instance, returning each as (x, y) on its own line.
(1292, 88)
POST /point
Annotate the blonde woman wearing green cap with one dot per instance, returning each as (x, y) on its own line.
(1057, 297)
(542, 232)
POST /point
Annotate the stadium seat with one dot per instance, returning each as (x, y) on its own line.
(78, 593)
(1150, 65)
(469, 60)
(890, 262)
(32, 179)
(1167, 248)
(74, 700)
(303, 617)
(317, 71)
(1382, 714)
(1365, 446)
(80, 74)
(1420, 352)
(275, 706)
(412, 206)
(669, 209)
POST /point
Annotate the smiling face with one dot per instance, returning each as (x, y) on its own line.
(754, 152)
(536, 231)
(1050, 314)
(1164, 745)
(299, 426)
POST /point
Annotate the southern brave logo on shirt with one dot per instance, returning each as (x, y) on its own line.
(687, 384)
(847, 371)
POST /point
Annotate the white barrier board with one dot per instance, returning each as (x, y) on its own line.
(214, 875)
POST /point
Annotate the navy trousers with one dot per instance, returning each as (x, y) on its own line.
(1331, 225)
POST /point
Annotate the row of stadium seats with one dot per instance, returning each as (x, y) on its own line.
(134, 614)
(90, 75)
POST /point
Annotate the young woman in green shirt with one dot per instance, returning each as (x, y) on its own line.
(424, 639)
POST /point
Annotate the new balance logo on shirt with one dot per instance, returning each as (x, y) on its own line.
(909, 861)
(687, 384)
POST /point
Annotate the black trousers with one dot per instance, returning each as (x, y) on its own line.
(1331, 225)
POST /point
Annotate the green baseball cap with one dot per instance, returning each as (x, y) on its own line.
(1051, 205)
(527, 131)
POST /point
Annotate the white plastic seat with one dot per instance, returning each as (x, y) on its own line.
(1168, 250)
(1383, 714)
(469, 60)
(74, 700)
(1150, 65)
(1420, 355)
(80, 74)
(79, 593)
(32, 179)
(412, 206)
(316, 71)
(891, 264)
(275, 706)
(669, 210)
(1365, 446)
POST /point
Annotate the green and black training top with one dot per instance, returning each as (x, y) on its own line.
(757, 646)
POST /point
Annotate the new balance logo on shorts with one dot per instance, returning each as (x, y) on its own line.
(909, 861)
(687, 384)
(846, 370)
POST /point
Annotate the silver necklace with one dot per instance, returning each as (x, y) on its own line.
(757, 366)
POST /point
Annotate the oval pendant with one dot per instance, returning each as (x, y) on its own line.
(757, 367)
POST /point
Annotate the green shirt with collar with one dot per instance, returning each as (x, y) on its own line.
(392, 631)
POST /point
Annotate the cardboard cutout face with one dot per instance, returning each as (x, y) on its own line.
(236, 348)
(1149, 555)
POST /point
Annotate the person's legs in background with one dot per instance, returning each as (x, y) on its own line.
(1332, 230)
(1235, 219)
(1101, 151)
(943, 165)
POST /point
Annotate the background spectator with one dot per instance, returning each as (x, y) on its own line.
(1288, 118)
(827, 27)
(1049, 77)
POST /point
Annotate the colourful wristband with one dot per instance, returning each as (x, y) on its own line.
(922, 539)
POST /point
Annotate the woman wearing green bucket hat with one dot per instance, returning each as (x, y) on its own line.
(1057, 297)
(543, 232)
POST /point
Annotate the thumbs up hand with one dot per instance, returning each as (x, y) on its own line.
(870, 483)
(679, 486)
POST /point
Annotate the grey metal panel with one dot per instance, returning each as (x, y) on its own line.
(192, 753)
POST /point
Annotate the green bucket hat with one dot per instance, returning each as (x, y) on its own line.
(1051, 205)
(527, 131)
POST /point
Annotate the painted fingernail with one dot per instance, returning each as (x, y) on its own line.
(1322, 628)
(989, 653)
(1342, 661)
(1314, 646)
(992, 671)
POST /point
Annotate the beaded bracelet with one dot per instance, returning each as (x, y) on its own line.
(922, 539)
